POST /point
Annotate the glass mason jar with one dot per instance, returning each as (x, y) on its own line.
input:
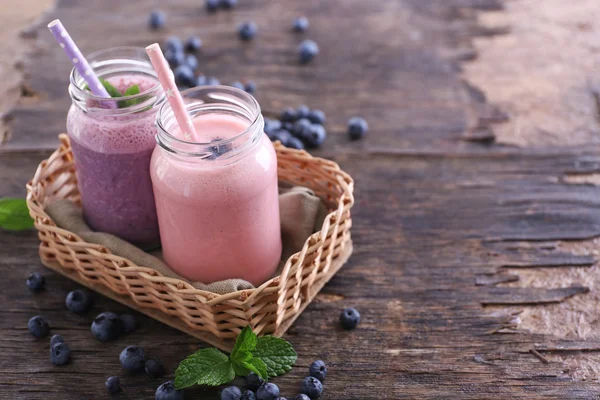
(112, 143)
(216, 196)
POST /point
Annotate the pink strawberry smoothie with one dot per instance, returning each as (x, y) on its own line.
(112, 156)
(219, 219)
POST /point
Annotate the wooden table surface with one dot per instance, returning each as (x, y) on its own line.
(438, 208)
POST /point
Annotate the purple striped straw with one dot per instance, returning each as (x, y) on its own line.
(79, 62)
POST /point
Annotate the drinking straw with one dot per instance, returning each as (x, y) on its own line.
(167, 81)
(79, 62)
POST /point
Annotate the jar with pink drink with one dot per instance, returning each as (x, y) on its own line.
(216, 196)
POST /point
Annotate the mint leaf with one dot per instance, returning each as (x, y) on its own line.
(257, 366)
(112, 91)
(245, 342)
(277, 354)
(14, 214)
(205, 367)
(131, 90)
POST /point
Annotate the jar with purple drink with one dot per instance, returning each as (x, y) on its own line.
(112, 142)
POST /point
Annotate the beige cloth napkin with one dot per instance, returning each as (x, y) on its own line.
(302, 213)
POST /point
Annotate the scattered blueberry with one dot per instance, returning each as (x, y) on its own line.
(60, 353)
(314, 136)
(307, 50)
(154, 368)
(253, 381)
(301, 24)
(219, 149)
(107, 326)
(167, 391)
(238, 85)
(248, 395)
(318, 369)
(38, 327)
(129, 323)
(173, 43)
(157, 19)
(194, 43)
(349, 318)
(36, 282)
(288, 115)
(212, 5)
(295, 143)
(201, 80)
(231, 393)
(282, 135)
(78, 301)
(301, 127)
(228, 4)
(184, 76)
(302, 397)
(113, 385)
(175, 58)
(312, 387)
(250, 87)
(191, 61)
(211, 80)
(56, 339)
(268, 391)
(272, 125)
(247, 30)
(288, 126)
(132, 359)
(357, 127)
(317, 117)
(302, 111)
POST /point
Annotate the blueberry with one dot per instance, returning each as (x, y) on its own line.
(357, 127)
(38, 327)
(132, 359)
(184, 76)
(307, 50)
(201, 80)
(60, 353)
(282, 135)
(211, 80)
(113, 385)
(173, 43)
(317, 117)
(219, 149)
(253, 381)
(288, 126)
(36, 282)
(314, 136)
(167, 391)
(272, 125)
(247, 30)
(191, 61)
(107, 326)
(288, 115)
(231, 393)
(238, 85)
(295, 143)
(301, 127)
(302, 397)
(250, 87)
(302, 111)
(194, 43)
(312, 387)
(318, 369)
(56, 339)
(175, 58)
(349, 318)
(154, 368)
(78, 301)
(268, 391)
(248, 395)
(157, 19)
(228, 4)
(212, 5)
(301, 24)
(129, 323)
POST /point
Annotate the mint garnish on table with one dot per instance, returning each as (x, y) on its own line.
(14, 214)
(114, 93)
(266, 356)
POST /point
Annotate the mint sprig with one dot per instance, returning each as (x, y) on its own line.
(266, 356)
(14, 214)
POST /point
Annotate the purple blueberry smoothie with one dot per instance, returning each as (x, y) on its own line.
(112, 148)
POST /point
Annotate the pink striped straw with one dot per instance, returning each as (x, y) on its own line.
(79, 62)
(167, 81)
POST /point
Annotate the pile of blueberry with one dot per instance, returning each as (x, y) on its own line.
(132, 359)
(298, 128)
(257, 389)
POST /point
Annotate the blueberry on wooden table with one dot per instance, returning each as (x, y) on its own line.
(194, 43)
(312, 387)
(107, 326)
(307, 51)
(302, 111)
(212, 81)
(228, 4)
(318, 370)
(317, 117)
(175, 58)
(248, 395)
(288, 115)
(301, 127)
(36, 282)
(295, 143)
(238, 85)
(247, 30)
(157, 19)
(272, 125)
(60, 353)
(191, 61)
(56, 339)
(250, 87)
(113, 385)
(174, 43)
(349, 318)
(132, 359)
(154, 368)
(38, 327)
(268, 391)
(357, 128)
(184, 76)
(212, 5)
(78, 301)
(300, 24)
(231, 393)
(167, 391)
(253, 381)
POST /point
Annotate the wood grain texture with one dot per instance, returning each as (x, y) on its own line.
(432, 210)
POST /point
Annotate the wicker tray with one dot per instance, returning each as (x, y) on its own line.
(216, 319)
